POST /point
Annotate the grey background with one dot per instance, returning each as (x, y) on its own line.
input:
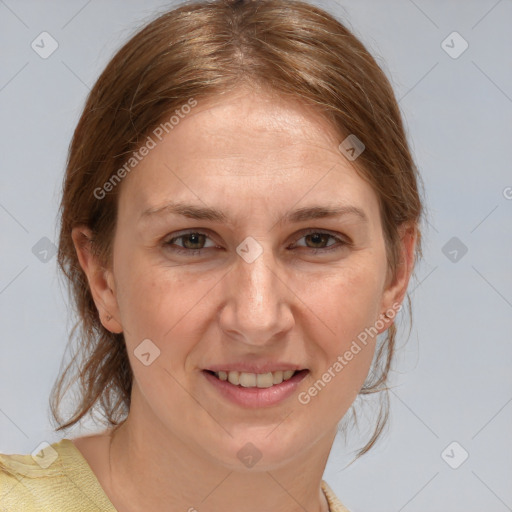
(454, 380)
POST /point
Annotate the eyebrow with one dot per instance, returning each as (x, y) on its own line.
(212, 214)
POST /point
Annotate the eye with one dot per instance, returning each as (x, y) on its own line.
(318, 241)
(193, 242)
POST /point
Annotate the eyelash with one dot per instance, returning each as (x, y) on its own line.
(191, 252)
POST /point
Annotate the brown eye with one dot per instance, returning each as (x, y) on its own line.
(319, 240)
(191, 242)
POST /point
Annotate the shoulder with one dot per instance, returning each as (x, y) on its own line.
(335, 504)
(24, 481)
(54, 478)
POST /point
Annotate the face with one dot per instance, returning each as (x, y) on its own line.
(247, 247)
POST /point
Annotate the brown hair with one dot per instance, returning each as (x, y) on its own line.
(201, 50)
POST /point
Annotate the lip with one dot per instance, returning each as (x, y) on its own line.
(255, 397)
(264, 367)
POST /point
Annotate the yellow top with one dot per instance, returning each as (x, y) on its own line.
(59, 479)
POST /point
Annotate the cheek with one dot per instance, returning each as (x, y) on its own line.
(347, 302)
(160, 303)
(161, 306)
(347, 299)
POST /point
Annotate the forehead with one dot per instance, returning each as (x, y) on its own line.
(247, 149)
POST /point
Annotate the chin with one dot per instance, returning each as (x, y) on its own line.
(259, 449)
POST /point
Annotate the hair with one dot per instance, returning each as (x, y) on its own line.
(202, 50)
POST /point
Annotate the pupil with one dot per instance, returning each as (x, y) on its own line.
(194, 238)
(317, 238)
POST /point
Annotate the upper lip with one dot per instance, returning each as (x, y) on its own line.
(254, 367)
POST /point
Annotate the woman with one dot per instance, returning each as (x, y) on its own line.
(239, 223)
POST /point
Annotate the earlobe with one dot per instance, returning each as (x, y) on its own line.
(100, 279)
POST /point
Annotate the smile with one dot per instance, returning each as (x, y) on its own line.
(255, 380)
(255, 390)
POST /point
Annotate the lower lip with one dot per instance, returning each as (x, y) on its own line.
(256, 397)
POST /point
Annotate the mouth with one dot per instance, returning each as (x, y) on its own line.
(255, 380)
(255, 390)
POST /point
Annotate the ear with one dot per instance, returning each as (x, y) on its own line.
(396, 286)
(100, 279)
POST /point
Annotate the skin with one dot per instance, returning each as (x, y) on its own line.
(255, 157)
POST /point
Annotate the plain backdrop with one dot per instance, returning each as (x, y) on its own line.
(452, 388)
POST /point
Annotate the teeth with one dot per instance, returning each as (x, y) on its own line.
(248, 380)
(255, 380)
(277, 377)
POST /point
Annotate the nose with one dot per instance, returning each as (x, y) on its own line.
(258, 305)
